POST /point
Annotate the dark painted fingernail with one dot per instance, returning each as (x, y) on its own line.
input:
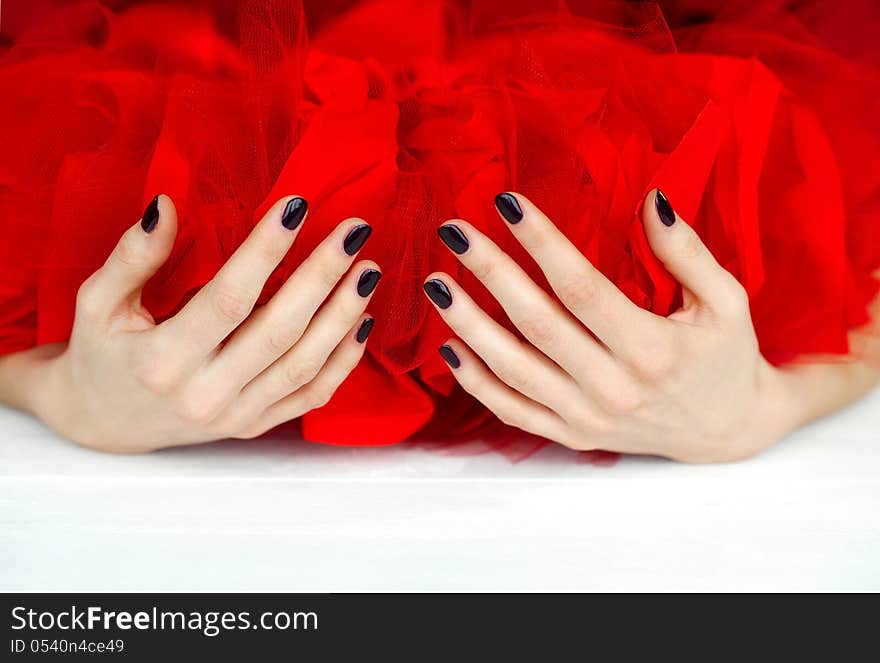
(356, 238)
(438, 292)
(364, 330)
(454, 238)
(509, 207)
(294, 212)
(449, 356)
(664, 209)
(368, 281)
(151, 216)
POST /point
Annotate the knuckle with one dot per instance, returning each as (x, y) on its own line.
(299, 373)
(281, 338)
(654, 366)
(230, 304)
(691, 247)
(735, 301)
(540, 330)
(619, 401)
(154, 368)
(87, 303)
(483, 269)
(318, 398)
(198, 409)
(516, 375)
(159, 378)
(127, 251)
(576, 290)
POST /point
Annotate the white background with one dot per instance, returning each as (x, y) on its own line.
(282, 515)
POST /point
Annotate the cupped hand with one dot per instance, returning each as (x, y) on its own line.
(218, 368)
(593, 370)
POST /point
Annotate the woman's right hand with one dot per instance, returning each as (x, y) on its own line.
(218, 368)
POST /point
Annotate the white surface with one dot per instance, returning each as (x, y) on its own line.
(275, 515)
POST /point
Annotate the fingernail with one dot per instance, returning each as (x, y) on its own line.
(438, 292)
(368, 282)
(454, 238)
(356, 238)
(509, 207)
(449, 356)
(294, 212)
(664, 209)
(151, 216)
(364, 330)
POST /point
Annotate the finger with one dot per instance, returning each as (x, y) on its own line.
(518, 365)
(683, 253)
(510, 406)
(299, 364)
(541, 319)
(229, 297)
(137, 256)
(281, 323)
(316, 393)
(582, 289)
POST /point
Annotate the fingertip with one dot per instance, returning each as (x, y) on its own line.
(449, 355)
(438, 276)
(166, 204)
(160, 216)
(658, 211)
(294, 210)
(369, 277)
(509, 207)
(453, 235)
(364, 328)
(437, 290)
(363, 265)
(150, 217)
(357, 233)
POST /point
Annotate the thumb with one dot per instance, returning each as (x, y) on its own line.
(141, 250)
(687, 258)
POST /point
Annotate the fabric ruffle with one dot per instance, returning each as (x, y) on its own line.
(758, 121)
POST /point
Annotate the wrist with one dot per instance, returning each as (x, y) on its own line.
(776, 413)
(782, 409)
(45, 391)
(25, 377)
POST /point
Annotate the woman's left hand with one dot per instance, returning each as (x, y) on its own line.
(599, 372)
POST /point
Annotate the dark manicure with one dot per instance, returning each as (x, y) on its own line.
(438, 292)
(364, 330)
(454, 238)
(449, 356)
(368, 281)
(509, 207)
(664, 209)
(151, 216)
(294, 212)
(356, 238)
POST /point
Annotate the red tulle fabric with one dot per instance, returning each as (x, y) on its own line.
(759, 121)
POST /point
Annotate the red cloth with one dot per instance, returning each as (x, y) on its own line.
(758, 121)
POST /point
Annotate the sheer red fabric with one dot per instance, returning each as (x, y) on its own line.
(758, 120)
